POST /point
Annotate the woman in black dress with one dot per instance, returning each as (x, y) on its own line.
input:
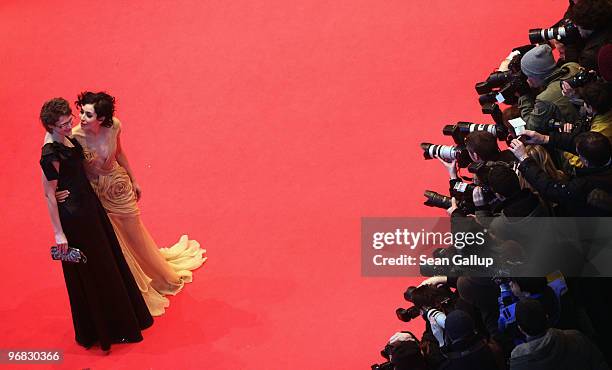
(106, 304)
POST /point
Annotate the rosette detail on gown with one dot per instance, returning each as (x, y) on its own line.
(157, 271)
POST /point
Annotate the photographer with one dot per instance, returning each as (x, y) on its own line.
(478, 297)
(594, 151)
(464, 348)
(551, 348)
(516, 204)
(403, 353)
(597, 97)
(542, 73)
(482, 147)
(593, 19)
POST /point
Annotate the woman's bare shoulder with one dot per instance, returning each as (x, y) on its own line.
(116, 123)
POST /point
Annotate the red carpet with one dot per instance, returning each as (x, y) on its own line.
(265, 130)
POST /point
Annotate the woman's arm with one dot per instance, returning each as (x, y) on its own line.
(49, 189)
(123, 162)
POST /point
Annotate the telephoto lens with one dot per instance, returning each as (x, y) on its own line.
(437, 200)
(407, 314)
(567, 34)
(495, 80)
(461, 129)
(447, 153)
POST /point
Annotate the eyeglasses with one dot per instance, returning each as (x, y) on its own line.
(66, 124)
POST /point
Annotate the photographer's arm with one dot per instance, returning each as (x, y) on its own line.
(536, 113)
(548, 188)
(563, 140)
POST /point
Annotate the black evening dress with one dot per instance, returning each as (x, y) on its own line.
(106, 304)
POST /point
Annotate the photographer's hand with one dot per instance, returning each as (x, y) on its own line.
(518, 149)
(567, 90)
(559, 46)
(451, 167)
(434, 281)
(401, 337)
(453, 206)
(534, 137)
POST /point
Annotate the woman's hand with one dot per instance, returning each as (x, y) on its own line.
(137, 190)
(61, 242)
(61, 195)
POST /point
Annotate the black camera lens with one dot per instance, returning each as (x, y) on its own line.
(437, 200)
(407, 314)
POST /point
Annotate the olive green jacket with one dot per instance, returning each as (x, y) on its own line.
(537, 114)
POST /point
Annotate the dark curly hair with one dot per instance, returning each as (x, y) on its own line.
(52, 110)
(598, 95)
(104, 105)
(595, 147)
(592, 14)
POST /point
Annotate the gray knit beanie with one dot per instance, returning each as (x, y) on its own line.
(538, 62)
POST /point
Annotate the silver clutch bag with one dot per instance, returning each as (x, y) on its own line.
(72, 255)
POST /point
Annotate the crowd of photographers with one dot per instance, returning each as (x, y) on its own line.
(556, 121)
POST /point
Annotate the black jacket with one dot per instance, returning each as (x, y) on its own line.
(470, 354)
(558, 350)
(570, 195)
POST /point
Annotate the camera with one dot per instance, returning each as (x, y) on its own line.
(438, 200)
(517, 84)
(502, 86)
(460, 130)
(384, 366)
(447, 153)
(582, 78)
(386, 353)
(553, 125)
(567, 33)
(424, 298)
(495, 80)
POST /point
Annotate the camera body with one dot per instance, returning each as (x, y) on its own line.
(460, 130)
(582, 78)
(425, 298)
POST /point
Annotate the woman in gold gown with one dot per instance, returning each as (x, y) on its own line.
(157, 271)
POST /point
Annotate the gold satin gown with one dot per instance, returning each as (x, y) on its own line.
(157, 271)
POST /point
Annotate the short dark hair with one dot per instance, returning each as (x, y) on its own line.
(531, 317)
(591, 14)
(598, 95)
(52, 110)
(594, 147)
(104, 105)
(533, 285)
(504, 181)
(482, 143)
